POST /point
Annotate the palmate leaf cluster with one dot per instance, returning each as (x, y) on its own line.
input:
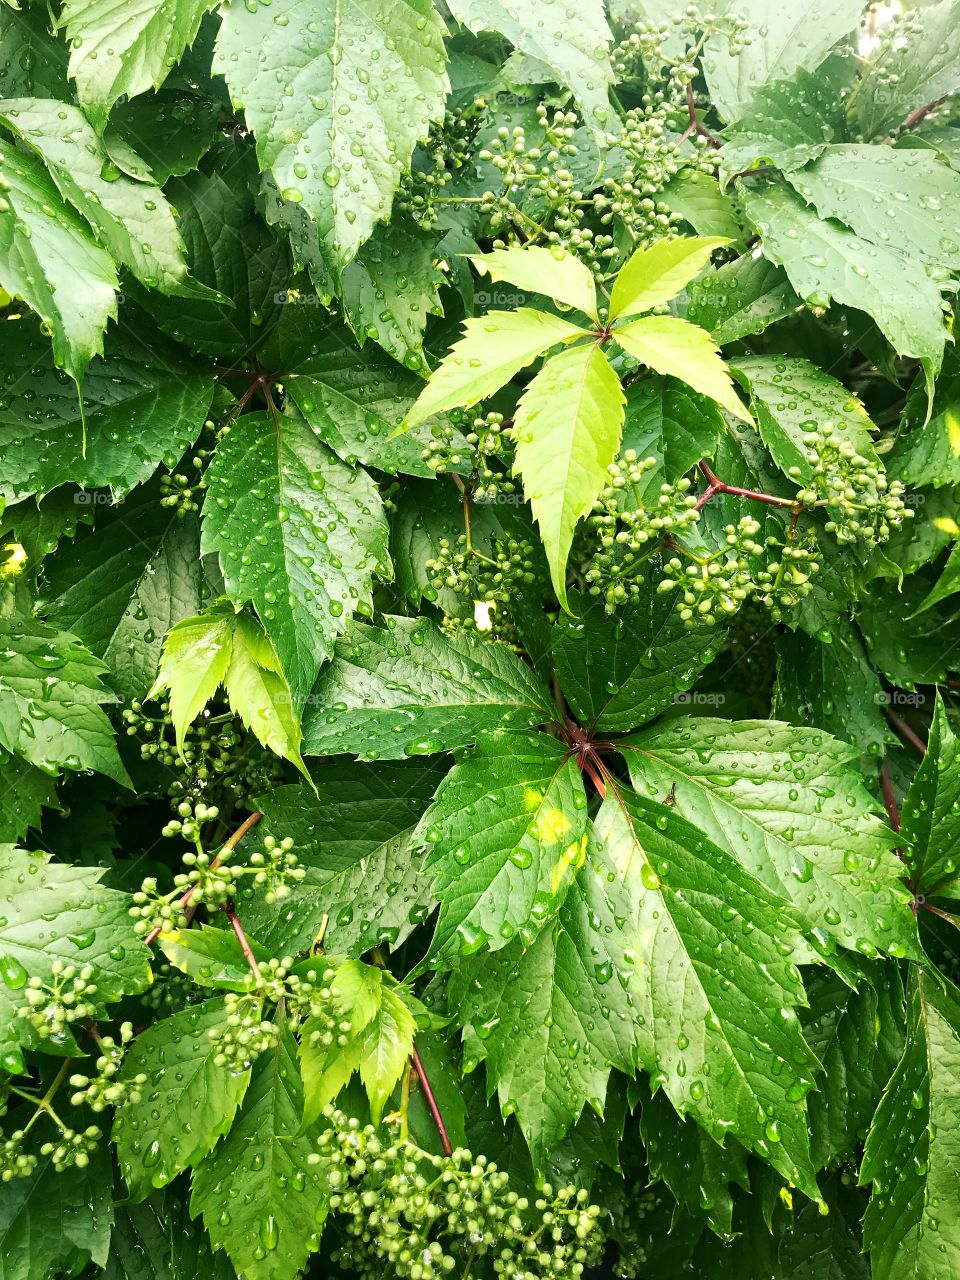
(480, 785)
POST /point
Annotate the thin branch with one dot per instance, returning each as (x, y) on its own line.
(230, 844)
(695, 124)
(905, 731)
(915, 117)
(716, 485)
(231, 914)
(889, 799)
(431, 1102)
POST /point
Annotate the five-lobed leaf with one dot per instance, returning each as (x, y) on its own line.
(555, 274)
(654, 275)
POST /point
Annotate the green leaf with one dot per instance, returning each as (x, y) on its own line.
(32, 59)
(493, 348)
(741, 298)
(781, 800)
(260, 1199)
(567, 432)
(211, 957)
(619, 672)
(782, 40)
(825, 261)
(681, 350)
(232, 252)
(833, 686)
(579, 61)
(857, 1035)
(930, 812)
(912, 1152)
(123, 52)
(669, 421)
(131, 219)
(867, 189)
(672, 896)
(697, 1169)
(196, 1099)
(52, 261)
(788, 396)
(172, 129)
(408, 689)
(699, 201)
(504, 837)
(26, 789)
(907, 74)
(139, 409)
(654, 275)
(905, 648)
(125, 585)
(352, 836)
(298, 533)
(196, 655)
(389, 290)
(53, 1223)
(554, 274)
(56, 912)
(355, 401)
(929, 452)
(333, 145)
(50, 692)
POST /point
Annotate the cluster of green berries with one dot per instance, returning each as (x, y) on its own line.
(190, 820)
(184, 493)
(104, 1089)
(862, 504)
(170, 991)
(216, 752)
(436, 166)
(52, 1007)
(276, 869)
(621, 531)
(15, 1162)
(426, 1216)
(474, 576)
(244, 1033)
(72, 1148)
(448, 451)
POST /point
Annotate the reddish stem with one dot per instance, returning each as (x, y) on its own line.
(716, 485)
(431, 1102)
(905, 731)
(596, 779)
(889, 799)
(247, 825)
(695, 124)
(237, 928)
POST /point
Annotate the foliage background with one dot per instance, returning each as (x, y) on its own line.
(478, 639)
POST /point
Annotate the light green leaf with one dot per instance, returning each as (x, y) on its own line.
(408, 689)
(699, 201)
(931, 811)
(567, 432)
(656, 274)
(332, 144)
(555, 274)
(386, 1043)
(868, 189)
(906, 74)
(912, 1151)
(683, 351)
(124, 586)
(258, 693)
(352, 833)
(493, 348)
(825, 261)
(52, 262)
(184, 1083)
(298, 533)
(196, 655)
(131, 219)
(270, 1229)
(503, 837)
(781, 800)
(140, 408)
(50, 692)
(117, 52)
(782, 40)
(211, 957)
(573, 43)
